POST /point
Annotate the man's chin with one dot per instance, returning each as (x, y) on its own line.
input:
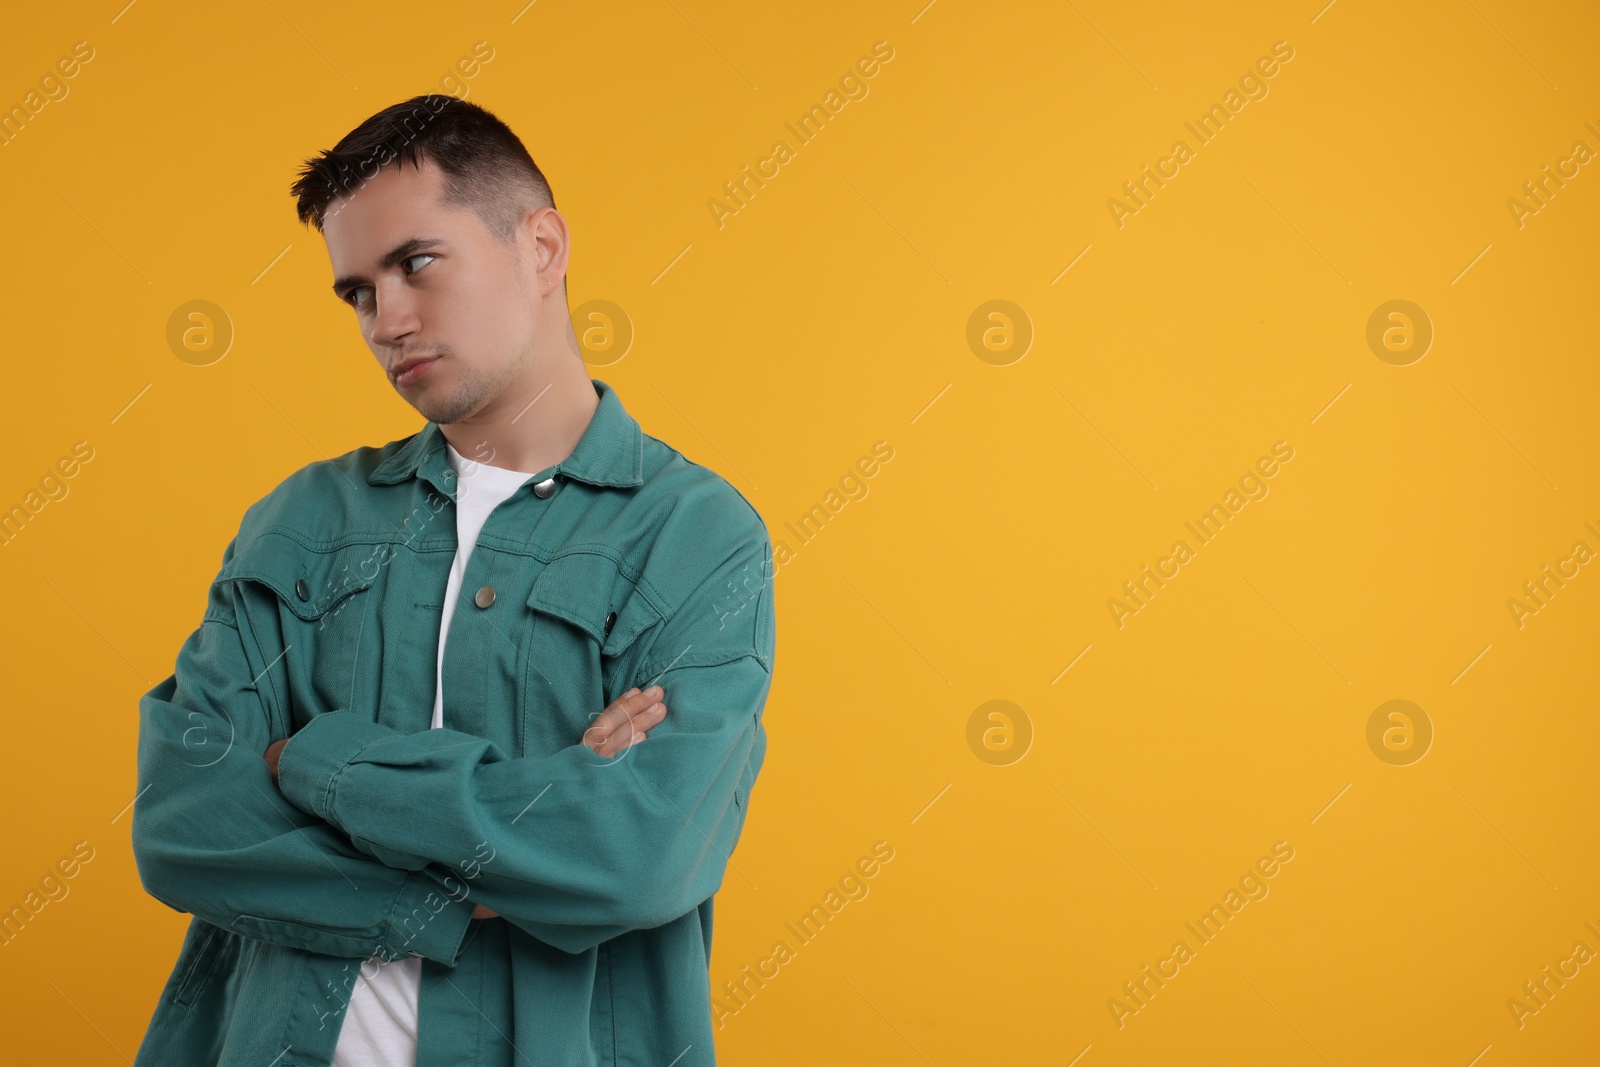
(435, 412)
(442, 412)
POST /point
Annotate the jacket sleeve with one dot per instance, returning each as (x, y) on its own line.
(214, 837)
(585, 847)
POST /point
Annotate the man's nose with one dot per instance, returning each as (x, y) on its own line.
(395, 317)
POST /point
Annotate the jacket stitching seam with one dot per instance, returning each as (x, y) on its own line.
(247, 639)
(328, 789)
(592, 548)
(611, 992)
(333, 779)
(194, 965)
(648, 670)
(355, 655)
(386, 934)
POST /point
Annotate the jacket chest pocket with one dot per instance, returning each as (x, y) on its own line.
(308, 611)
(586, 624)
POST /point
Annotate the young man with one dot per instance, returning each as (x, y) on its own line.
(397, 774)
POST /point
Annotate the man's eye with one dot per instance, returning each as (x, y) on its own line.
(349, 297)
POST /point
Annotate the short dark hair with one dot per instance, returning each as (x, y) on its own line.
(486, 167)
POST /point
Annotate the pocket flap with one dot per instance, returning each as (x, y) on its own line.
(587, 590)
(310, 582)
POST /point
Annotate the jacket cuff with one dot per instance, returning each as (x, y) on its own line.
(426, 922)
(313, 757)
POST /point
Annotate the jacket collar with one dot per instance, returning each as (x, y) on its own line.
(610, 452)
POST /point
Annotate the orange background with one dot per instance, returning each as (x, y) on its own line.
(1042, 859)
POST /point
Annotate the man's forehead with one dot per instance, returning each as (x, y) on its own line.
(394, 190)
(393, 207)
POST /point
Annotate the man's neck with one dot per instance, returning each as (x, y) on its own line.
(534, 427)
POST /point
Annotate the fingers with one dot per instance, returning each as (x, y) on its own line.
(629, 741)
(637, 716)
(628, 732)
(625, 709)
(625, 721)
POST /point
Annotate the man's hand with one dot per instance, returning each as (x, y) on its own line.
(626, 721)
(272, 757)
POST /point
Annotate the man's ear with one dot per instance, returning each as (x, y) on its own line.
(552, 247)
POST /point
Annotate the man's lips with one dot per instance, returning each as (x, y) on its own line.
(411, 369)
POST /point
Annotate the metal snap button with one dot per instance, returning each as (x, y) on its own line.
(484, 597)
(301, 589)
(543, 489)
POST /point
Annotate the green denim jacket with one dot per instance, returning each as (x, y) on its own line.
(381, 835)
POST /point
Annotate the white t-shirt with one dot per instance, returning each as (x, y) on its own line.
(380, 1022)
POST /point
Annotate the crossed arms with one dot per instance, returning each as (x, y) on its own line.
(624, 723)
(367, 827)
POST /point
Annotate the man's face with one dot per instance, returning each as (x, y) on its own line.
(427, 281)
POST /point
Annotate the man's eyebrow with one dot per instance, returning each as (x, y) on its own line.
(402, 251)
